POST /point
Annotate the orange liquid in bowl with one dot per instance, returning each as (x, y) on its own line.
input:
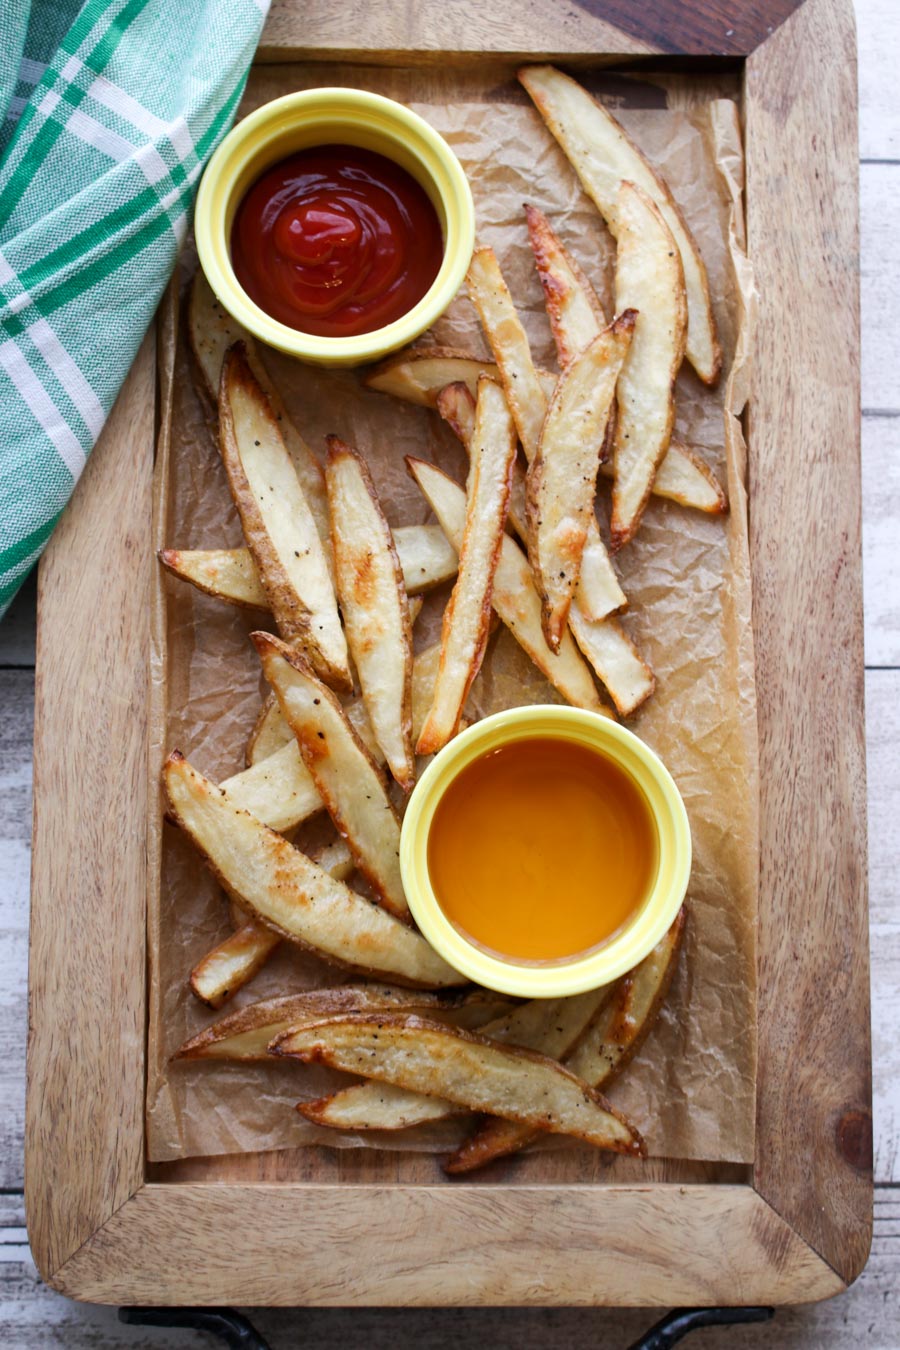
(542, 850)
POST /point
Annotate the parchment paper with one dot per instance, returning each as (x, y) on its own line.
(691, 1090)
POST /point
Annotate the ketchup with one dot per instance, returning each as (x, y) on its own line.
(336, 241)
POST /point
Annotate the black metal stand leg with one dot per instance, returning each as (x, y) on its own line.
(230, 1326)
(678, 1324)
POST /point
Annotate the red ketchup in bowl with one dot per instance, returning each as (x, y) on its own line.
(336, 241)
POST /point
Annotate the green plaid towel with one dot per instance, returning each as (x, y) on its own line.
(112, 108)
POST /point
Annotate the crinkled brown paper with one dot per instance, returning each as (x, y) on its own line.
(691, 1090)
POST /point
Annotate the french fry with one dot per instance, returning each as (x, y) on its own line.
(347, 777)
(603, 156)
(234, 962)
(649, 278)
(551, 1026)
(467, 617)
(270, 732)
(684, 478)
(614, 1036)
(292, 895)
(576, 319)
(418, 377)
(599, 592)
(230, 574)
(212, 331)
(514, 596)
(246, 1034)
(611, 653)
(562, 479)
(575, 313)
(280, 792)
(465, 1068)
(374, 605)
(456, 406)
(277, 523)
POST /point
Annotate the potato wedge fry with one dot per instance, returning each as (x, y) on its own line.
(212, 331)
(610, 652)
(279, 789)
(466, 1068)
(281, 793)
(347, 777)
(562, 478)
(234, 962)
(551, 1026)
(575, 313)
(374, 604)
(603, 156)
(457, 407)
(682, 475)
(608, 648)
(467, 617)
(270, 732)
(615, 1034)
(230, 574)
(514, 596)
(599, 592)
(277, 523)
(246, 1034)
(292, 895)
(649, 279)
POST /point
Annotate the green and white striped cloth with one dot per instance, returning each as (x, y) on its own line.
(112, 108)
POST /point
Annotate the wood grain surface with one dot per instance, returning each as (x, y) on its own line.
(86, 987)
(868, 1315)
(813, 1085)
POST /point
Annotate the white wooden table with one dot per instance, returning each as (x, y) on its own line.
(869, 1315)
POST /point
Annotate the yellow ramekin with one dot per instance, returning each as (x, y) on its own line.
(637, 939)
(333, 116)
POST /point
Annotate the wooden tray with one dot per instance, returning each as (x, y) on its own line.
(315, 1227)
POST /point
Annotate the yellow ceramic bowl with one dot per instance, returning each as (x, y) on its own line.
(666, 893)
(338, 117)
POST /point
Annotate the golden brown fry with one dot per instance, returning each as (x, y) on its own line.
(212, 331)
(348, 779)
(280, 791)
(514, 596)
(230, 574)
(575, 313)
(562, 479)
(649, 279)
(246, 1034)
(374, 605)
(234, 962)
(457, 407)
(613, 656)
(599, 592)
(465, 1068)
(466, 625)
(270, 732)
(550, 1025)
(682, 475)
(614, 1036)
(603, 156)
(277, 522)
(292, 895)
